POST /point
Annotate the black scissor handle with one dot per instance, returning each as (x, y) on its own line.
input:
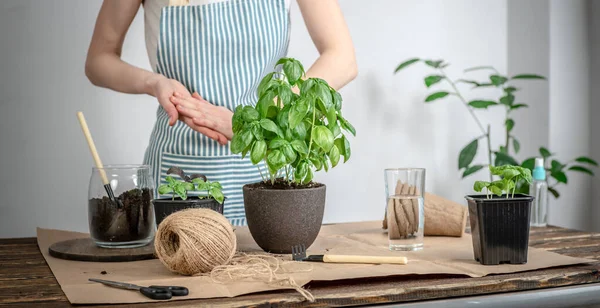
(156, 293)
(175, 290)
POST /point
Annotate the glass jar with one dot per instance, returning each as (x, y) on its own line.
(129, 222)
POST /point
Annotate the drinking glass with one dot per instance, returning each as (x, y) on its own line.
(404, 190)
(130, 222)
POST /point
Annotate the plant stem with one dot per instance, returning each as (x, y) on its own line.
(474, 116)
(312, 127)
(261, 174)
(507, 132)
(489, 144)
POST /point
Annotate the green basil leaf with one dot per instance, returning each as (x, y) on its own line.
(284, 94)
(346, 125)
(301, 171)
(300, 131)
(181, 192)
(237, 122)
(170, 180)
(264, 84)
(271, 126)
(467, 154)
(202, 186)
(435, 96)
(257, 131)
(264, 103)
(250, 114)
(325, 162)
(324, 94)
(316, 162)
(277, 143)
(282, 116)
(292, 71)
(297, 112)
(307, 86)
(259, 150)
(347, 151)
(309, 176)
(300, 147)
(495, 190)
(405, 64)
(337, 100)
(335, 130)
(275, 161)
(322, 137)
(334, 156)
(289, 153)
(331, 117)
(188, 186)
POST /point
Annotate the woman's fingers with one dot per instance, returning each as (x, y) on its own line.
(206, 123)
(216, 136)
(171, 111)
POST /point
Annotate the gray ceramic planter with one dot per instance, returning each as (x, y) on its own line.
(281, 218)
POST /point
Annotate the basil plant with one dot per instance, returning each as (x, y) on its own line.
(294, 134)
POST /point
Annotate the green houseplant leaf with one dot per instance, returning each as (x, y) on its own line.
(581, 169)
(433, 79)
(481, 104)
(472, 169)
(435, 96)
(586, 160)
(545, 153)
(528, 76)
(467, 154)
(405, 64)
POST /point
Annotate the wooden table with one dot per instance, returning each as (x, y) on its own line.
(26, 279)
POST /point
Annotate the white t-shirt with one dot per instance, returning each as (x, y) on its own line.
(152, 10)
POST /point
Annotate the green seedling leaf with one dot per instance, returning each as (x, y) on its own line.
(496, 190)
(170, 180)
(471, 170)
(582, 169)
(554, 192)
(528, 76)
(545, 153)
(164, 189)
(498, 80)
(271, 126)
(405, 64)
(478, 186)
(181, 192)
(510, 123)
(516, 145)
(187, 186)
(586, 160)
(436, 95)
(258, 152)
(217, 194)
(433, 79)
(323, 137)
(481, 104)
(467, 154)
(510, 173)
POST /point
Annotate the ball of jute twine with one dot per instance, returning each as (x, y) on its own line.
(202, 242)
(194, 241)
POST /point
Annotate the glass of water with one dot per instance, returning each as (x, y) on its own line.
(404, 191)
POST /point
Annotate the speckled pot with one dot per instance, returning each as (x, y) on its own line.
(279, 219)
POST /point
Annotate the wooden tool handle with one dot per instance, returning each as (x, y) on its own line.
(90, 141)
(364, 259)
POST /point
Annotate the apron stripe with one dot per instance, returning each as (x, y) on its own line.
(220, 50)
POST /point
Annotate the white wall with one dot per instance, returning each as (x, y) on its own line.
(47, 165)
(570, 107)
(593, 18)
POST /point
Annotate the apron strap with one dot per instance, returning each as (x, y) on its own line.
(179, 2)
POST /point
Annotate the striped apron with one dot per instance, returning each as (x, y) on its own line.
(220, 50)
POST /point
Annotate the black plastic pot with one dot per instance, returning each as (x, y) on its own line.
(166, 206)
(281, 218)
(500, 228)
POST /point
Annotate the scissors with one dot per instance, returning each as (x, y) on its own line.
(152, 292)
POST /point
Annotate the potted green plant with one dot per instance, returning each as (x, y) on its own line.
(211, 195)
(500, 219)
(295, 134)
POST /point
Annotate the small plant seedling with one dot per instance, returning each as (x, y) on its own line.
(194, 182)
(510, 175)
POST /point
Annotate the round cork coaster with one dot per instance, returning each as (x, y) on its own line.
(84, 249)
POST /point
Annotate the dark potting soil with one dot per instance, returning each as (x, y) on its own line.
(282, 184)
(135, 221)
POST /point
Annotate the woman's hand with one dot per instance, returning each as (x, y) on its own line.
(163, 89)
(204, 114)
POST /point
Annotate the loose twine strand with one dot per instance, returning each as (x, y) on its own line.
(266, 268)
